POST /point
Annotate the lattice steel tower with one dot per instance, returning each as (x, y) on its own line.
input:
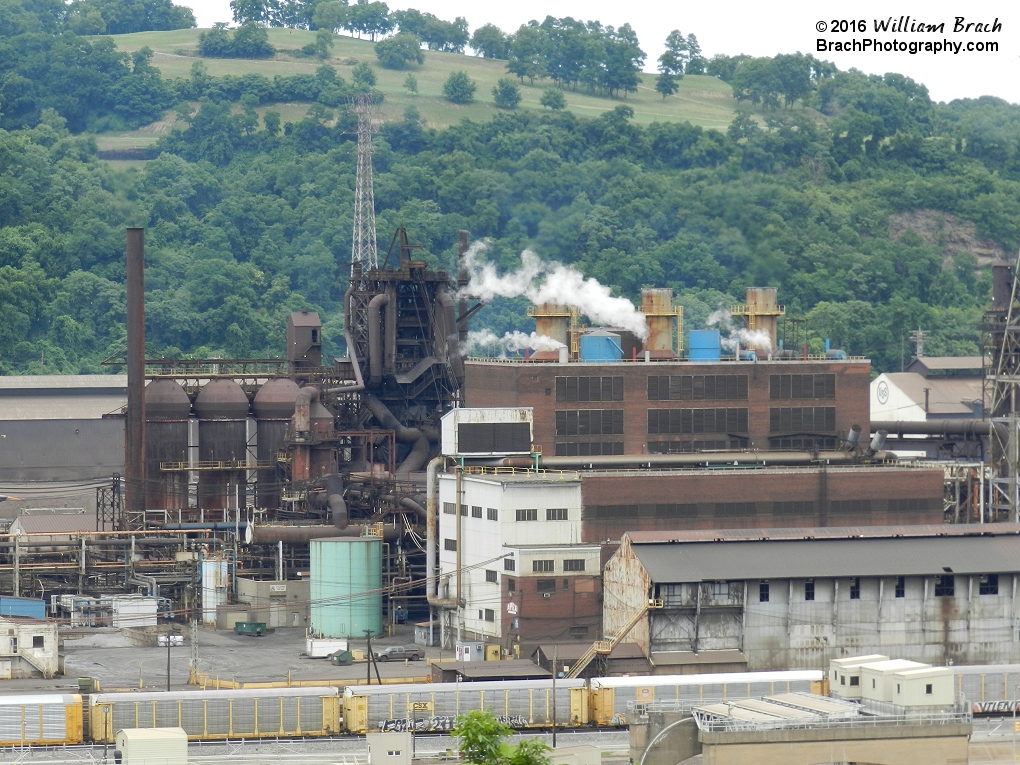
(1002, 381)
(364, 255)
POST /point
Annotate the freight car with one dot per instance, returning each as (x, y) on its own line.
(212, 715)
(41, 719)
(424, 707)
(611, 698)
(990, 689)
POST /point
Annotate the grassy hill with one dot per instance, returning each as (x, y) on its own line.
(703, 101)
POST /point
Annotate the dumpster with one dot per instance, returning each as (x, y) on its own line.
(255, 629)
(341, 658)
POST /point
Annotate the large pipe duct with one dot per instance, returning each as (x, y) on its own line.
(418, 456)
(375, 343)
(273, 534)
(407, 504)
(953, 427)
(134, 427)
(352, 352)
(452, 337)
(334, 486)
(691, 460)
(431, 535)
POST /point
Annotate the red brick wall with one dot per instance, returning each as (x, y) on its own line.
(545, 620)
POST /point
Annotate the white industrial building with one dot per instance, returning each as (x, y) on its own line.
(795, 598)
(503, 520)
(28, 648)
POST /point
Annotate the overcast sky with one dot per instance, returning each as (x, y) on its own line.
(767, 28)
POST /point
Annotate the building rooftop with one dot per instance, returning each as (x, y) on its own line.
(829, 556)
(826, 532)
(53, 523)
(937, 366)
(953, 396)
(61, 397)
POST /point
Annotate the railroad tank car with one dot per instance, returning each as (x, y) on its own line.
(436, 706)
(213, 715)
(612, 698)
(40, 719)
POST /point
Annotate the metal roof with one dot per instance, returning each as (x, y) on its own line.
(948, 362)
(945, 396)
(54, 523)
(808, 558)
(825, 532)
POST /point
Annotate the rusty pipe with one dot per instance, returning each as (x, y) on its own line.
(352, 353)
(134, 428)
(375, 341)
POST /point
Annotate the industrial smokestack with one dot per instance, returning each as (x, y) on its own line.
(134, 430)
(462, 282)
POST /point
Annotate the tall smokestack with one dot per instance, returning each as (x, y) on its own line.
(134, 431)
(462, 282)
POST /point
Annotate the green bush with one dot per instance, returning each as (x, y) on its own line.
(506, 94)
(459, 88)
(399, 51)
(554, 99)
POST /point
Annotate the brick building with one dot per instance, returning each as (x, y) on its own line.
(679, 406)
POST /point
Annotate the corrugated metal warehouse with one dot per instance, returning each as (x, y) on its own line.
(799, 597)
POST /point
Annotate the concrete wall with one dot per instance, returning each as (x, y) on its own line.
(627, 586)
(60, 450)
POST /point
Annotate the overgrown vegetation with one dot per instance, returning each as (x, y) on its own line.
(866, 209)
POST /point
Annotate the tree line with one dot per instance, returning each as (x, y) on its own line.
(92, 17)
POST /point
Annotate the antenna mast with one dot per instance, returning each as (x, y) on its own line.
(364, 255)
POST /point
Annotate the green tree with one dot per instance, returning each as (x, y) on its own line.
(526, 55)
(411, 84)
(696, 64)
(666, 85)
(459, 88)
(368, 18)
(323, 43)
(330, 15)
(506, 94)
(271, 119)
(490, 42)
(483, 742)
(254, 11)
(675, 57)
(251, 41)
(554, 99)
(399, 51)
(363, 76)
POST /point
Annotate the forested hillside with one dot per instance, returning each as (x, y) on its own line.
(874, 210)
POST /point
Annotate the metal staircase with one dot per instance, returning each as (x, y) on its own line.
(605, 647)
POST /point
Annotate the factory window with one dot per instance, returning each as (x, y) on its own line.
(449, 508)
(511, 586)
(763, 592)
(809, 589)
(543, 566)
(491, 576)
(802, 419)
(573, 564)
(945, 586)
(989, 585)
(901, 587)
(566, 585)
(480, 614)
(855, 588)
(802, 386)
(589, 422)
(928, 690)
(897, 688)
(476, 511)
(492, 513)
(450, 544)
(490, 615)
(697, 387)
(842, 679)
(682, 421)
(586, 449)
(806, 444)
(556, 514)
(854, 680)
(37, 641)
(546, 586)
(527, 514)
(463, 510)
(589, 389)
(696, 445)
(509, 564)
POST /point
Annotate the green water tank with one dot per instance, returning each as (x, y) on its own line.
(346, 588)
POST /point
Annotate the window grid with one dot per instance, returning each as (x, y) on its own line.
(697, 387)
(476, 511)
(543, 566)
(450, 544)
(589, 389)
(589, 422)
(556, 514)
(693, 421)
(492, 514)
(527, 513)
(573, 564)
(800, 419)
(809, 589)
(491, 576)
(802, 386)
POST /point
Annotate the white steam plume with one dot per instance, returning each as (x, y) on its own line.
(511, 341)
(735, 334)
(543, 282)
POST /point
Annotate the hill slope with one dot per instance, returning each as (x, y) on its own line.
(704, 101)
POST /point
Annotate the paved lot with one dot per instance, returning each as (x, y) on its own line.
(112, 660)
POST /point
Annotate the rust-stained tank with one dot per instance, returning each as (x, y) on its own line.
(273, 407)
(222, 409)
(313, 427)
(167, 407)
(762, 313)
(657, 306)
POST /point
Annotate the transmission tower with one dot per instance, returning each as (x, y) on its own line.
(364, 256)
(1002, 381)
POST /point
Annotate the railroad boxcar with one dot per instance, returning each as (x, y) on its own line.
(613, 698)
(436, 706)
(41, 719)
(212, 715)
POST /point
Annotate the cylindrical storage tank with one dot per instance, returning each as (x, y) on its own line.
(222, 409)
(704, 345)
(601, 346)
(346, 586)
(167, 407)
(657, 306)
(552, 320)
(273, 407)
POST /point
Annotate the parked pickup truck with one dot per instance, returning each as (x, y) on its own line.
(397, 653)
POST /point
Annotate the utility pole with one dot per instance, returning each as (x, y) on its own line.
(364, 254)
(555, 656)
(918, 336)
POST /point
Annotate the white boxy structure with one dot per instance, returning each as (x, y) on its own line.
(152, 746)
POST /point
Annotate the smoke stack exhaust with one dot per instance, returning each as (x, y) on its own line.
(134, 430)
